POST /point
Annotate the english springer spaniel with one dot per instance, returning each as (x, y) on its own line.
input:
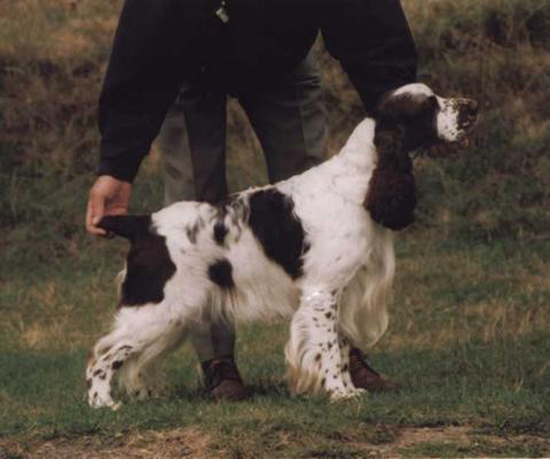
(317, 247)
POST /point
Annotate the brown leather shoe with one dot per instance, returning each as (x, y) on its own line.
(365, 377)
(222, 380)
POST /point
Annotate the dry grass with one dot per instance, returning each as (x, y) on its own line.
(192, 443)
(467, 296)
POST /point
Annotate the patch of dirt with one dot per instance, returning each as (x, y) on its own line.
(413, 435)
(191, 443)
(461, 436)
(178, 443)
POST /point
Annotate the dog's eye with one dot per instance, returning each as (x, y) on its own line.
(429, 106)
(433, 102)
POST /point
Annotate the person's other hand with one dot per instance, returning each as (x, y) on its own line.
(108, 196)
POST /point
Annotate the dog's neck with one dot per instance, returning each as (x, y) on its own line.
(359, 152)
(349, 171)
(374, 170)
(372, 146)
(373, 142)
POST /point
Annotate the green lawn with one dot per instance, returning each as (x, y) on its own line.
(468, 340)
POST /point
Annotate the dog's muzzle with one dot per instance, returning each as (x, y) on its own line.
(467, 120)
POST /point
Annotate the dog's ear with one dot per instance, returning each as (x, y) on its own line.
(129, 226)
(389, 142)
(391, 196)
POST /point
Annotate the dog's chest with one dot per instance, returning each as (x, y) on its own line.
(343, 223)
(327, 214)
(339, 234)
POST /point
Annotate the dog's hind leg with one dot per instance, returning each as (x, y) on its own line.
(141, 337)
(107, 357)
(142, 374)
(315, 350)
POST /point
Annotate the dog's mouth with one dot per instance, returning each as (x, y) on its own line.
(463, 142)
(443, 148)
(467, 122)
(465, 139)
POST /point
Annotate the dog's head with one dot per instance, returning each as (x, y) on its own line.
(420, 118)
(409, 118)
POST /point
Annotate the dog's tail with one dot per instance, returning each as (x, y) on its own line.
(128, 226)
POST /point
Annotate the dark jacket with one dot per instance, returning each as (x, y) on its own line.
(161, 43)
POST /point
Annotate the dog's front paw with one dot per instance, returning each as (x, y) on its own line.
(96, 404)
(96, 401)
(338, 395)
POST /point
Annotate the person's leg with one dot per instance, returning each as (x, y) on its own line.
(192, 143)
(290, 121)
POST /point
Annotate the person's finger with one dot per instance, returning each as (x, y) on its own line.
(94, 214)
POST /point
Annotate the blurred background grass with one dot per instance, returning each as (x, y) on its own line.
(53, 54)
(471, 311)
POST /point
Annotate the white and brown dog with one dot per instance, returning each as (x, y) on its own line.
(317, 247)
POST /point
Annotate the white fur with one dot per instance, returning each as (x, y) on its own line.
(415, 89)
(447, 117)
(447, 126)
(340, 300)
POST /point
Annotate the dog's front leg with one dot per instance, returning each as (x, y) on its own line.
(344, 356)
(313, 352)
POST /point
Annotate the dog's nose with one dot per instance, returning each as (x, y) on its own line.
(471, 107)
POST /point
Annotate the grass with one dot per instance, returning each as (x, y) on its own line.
(469, 339)
(469, 333)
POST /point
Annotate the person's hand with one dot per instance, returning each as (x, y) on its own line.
(108, 196)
